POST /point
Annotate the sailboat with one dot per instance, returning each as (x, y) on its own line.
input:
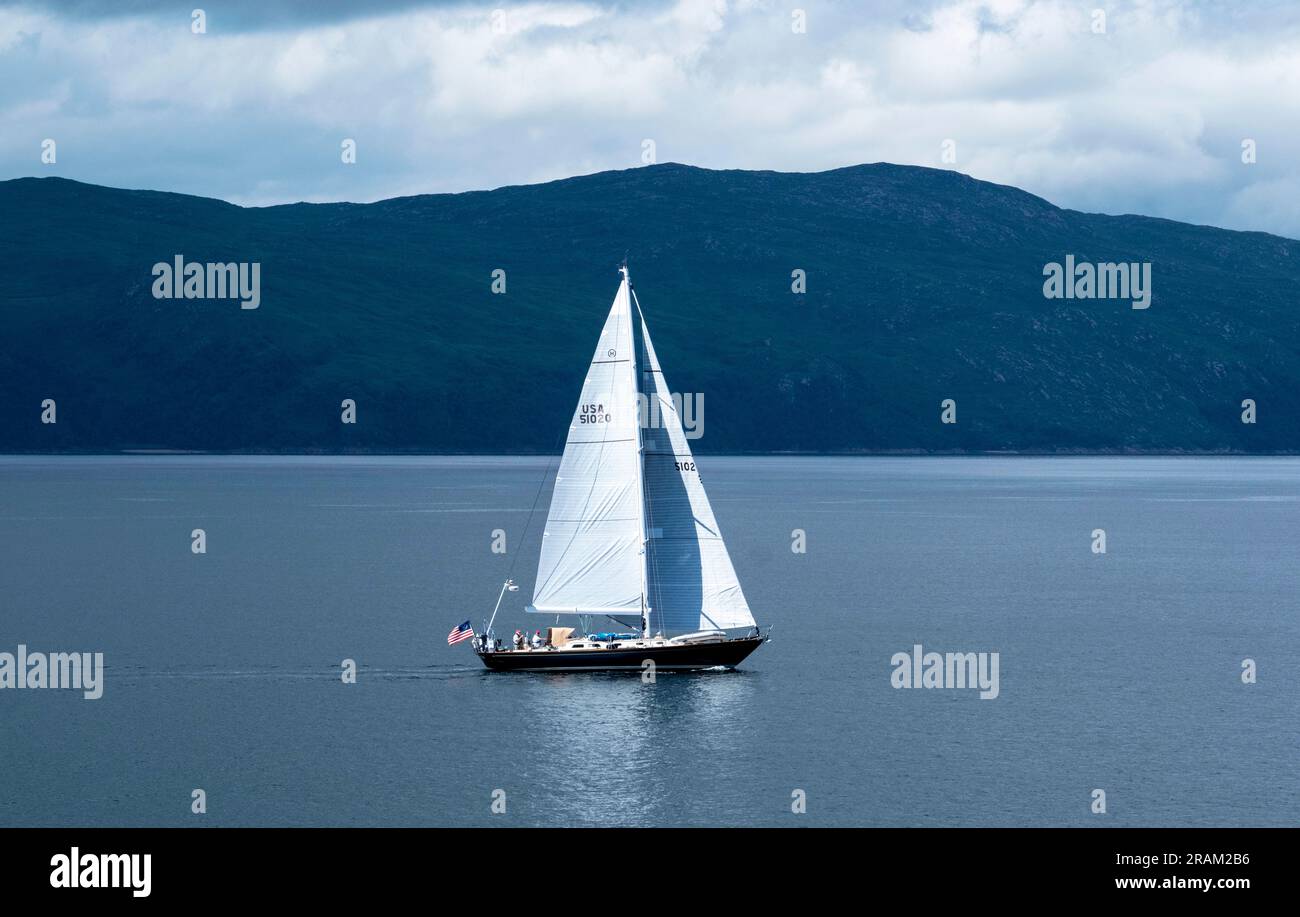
(630, 536)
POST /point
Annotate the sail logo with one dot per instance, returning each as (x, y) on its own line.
(688, 408)
(951, 671)
(1107, 280)
(103, 870)
(82, 672)
(183, 279)
(593, 413)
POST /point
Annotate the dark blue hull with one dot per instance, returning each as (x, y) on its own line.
(724, 654)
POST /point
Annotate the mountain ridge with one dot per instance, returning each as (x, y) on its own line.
(922, 284)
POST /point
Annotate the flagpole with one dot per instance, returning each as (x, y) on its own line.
(504, 586)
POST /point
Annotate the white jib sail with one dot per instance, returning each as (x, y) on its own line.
(592, 560)
(691, 584)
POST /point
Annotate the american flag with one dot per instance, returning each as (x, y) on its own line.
(460, 632)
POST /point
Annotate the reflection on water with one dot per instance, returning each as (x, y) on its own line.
(611, 747)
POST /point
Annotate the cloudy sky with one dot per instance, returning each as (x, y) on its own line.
(1148, 116)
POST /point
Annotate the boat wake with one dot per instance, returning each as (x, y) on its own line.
(288, 673)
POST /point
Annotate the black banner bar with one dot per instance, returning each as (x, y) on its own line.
(331, 866)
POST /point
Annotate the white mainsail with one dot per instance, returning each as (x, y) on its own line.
(592, 559)
(691, 582)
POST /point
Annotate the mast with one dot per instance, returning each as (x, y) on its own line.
(640, 470)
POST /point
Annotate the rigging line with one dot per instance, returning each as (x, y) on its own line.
(654, 555)
(528, 523)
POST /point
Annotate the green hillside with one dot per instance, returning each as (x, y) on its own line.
(922, 285)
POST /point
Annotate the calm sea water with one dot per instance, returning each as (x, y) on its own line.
(1119, 672)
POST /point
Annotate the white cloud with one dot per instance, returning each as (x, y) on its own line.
(1147, 117)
